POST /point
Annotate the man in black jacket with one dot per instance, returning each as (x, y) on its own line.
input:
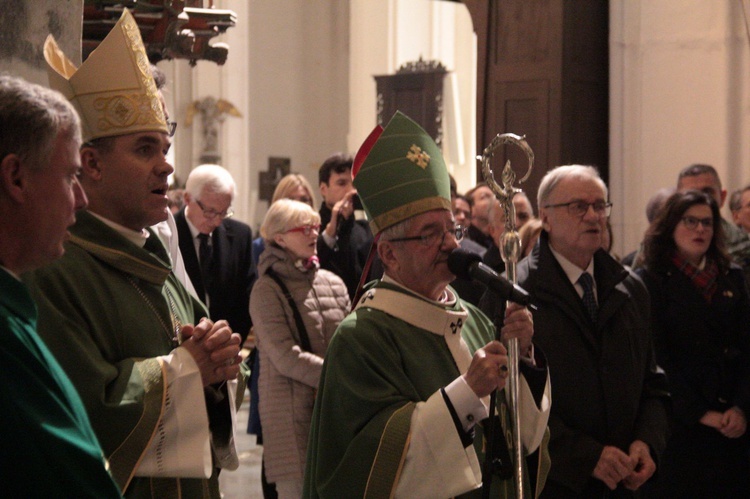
(216, 249)
(344, 241)
(608, 422)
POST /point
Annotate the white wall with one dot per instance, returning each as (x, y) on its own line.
(679, 73)
(301, 72)
(26, 26)
(385, 34)
(287, 72)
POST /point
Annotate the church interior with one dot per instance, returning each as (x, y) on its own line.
(638, 89)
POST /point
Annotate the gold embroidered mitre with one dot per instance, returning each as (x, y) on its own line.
(113, 90)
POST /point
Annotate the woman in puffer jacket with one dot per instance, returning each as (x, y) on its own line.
(291, 358)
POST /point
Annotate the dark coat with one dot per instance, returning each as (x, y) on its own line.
(606, 390)
(479, 237)
(704, 347)
(234, 270)
(705, 350)
(468, 289)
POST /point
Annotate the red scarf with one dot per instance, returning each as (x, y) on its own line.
(704, 280)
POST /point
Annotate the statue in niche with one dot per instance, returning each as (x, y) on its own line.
(213, 113)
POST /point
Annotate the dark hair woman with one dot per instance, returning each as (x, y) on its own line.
(701, 317)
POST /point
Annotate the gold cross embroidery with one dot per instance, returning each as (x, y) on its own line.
(418, 157)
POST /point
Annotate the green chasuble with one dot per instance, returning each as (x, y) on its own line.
(539, 460)
(104, 311)
(380, 370)
(48, 447)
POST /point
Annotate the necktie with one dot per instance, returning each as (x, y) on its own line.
(589, 300)
(206, 256)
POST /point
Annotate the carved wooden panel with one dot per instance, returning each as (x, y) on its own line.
(417, 91)
(543, 72)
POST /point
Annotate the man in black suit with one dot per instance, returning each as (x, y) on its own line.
(216, 249)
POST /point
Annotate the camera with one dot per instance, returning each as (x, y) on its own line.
(357, 203)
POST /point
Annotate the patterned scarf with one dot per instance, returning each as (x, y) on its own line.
(704, 280)
(312, 263)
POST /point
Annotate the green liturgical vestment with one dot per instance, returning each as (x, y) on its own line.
(381, 426)
(48, 447)
(104, 311)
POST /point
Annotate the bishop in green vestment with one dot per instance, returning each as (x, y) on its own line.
(111, 309)
(401, 393)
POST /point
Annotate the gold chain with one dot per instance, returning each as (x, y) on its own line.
(174, 339)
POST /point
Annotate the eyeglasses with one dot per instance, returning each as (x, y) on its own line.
(580, 208)
(431, 238)
(306, 229)
(211, 214)
(171, 128)
(691, 223)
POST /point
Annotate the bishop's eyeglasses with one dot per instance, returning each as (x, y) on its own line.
(429, 239)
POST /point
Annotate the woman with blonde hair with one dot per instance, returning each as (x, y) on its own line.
(296, 307)
(291, 186)
(294, 186)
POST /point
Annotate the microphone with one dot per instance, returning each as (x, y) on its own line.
(466, 265)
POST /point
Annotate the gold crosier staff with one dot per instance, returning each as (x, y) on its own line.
(510, 250)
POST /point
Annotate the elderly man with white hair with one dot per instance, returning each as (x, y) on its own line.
(217, 250)
(608, 423)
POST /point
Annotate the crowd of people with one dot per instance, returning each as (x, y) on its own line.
(374, 369)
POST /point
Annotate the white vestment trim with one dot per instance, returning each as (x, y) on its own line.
(181, 444)
(436, 464)
(431, 317)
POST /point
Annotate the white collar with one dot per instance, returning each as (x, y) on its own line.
(447, 298)
(194, 232)
(428, 315)
(136, 237)
(433, 316)
(572, 270)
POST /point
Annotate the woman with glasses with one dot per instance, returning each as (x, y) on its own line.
(701, 314)
(296, 307)
(291, 186)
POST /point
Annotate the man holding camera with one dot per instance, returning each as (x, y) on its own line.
(344, 243)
